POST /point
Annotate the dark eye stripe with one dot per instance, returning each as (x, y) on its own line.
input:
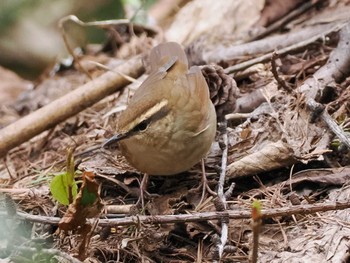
(161, 113)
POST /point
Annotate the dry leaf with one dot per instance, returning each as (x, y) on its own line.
(86, 205)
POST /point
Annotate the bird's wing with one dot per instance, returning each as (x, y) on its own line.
(197, 84)
(154, 77)
(200, 92)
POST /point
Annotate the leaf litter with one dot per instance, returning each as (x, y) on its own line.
(276, 155)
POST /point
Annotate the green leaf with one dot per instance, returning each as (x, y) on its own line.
(60, 189)
(88, 198)
(257, 205)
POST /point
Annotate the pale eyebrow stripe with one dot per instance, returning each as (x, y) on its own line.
(168, 65)
(149, 113)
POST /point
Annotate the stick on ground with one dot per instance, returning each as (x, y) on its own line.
(68, 105)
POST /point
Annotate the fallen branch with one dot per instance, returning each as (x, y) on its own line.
(280, 154)
(269, 44)
(68, 105)
(196, 217)
(287, 49)
(335, 70)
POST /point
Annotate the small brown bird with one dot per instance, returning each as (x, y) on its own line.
(170, 122)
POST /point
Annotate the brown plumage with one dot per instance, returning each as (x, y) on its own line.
(170, 122)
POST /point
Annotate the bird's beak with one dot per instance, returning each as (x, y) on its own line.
(116, 138)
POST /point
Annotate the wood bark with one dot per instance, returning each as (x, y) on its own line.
(68, 105)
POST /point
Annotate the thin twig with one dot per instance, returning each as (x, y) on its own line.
(262, 46)
(279, 80)
(197, 217)
(221, 195)
(224, 148)
(69, 48)
(267, 57)
(103, 67)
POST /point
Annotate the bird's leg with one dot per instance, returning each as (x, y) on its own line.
(204, 185)
(143, 190)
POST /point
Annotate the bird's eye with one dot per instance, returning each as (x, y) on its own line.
(141, 126)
